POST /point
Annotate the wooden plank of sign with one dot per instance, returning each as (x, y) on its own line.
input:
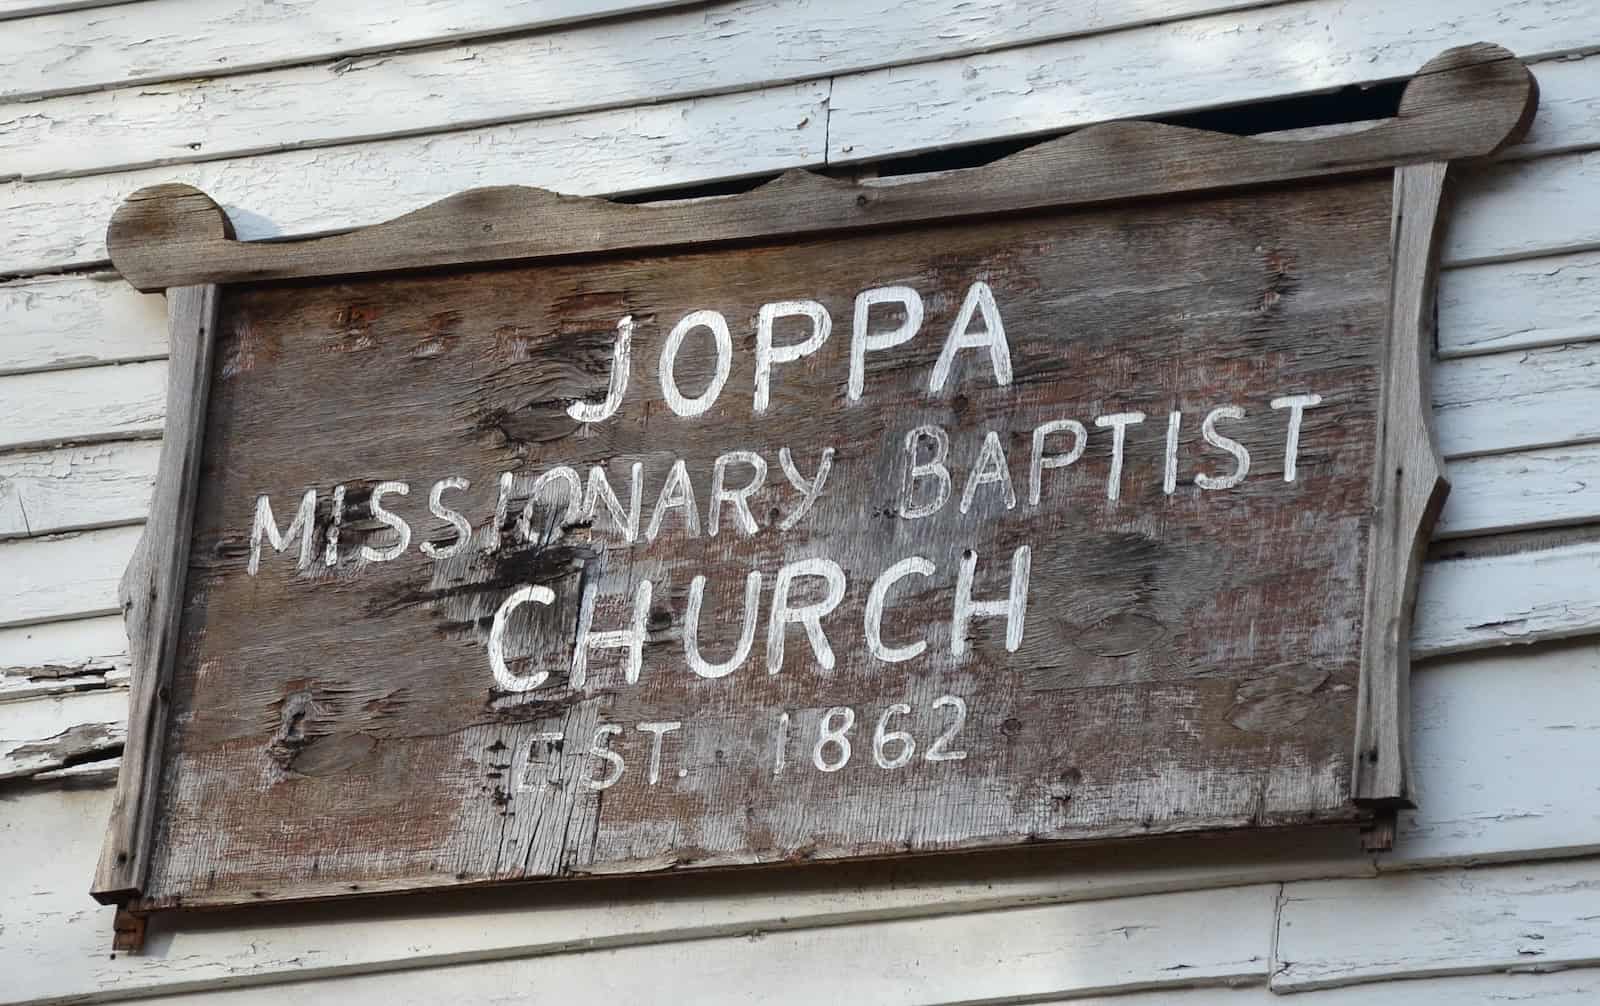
(152, 591)
(479, 369)
(1468, 102)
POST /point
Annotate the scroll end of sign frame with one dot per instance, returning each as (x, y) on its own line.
(1480, 92)
(161, 224)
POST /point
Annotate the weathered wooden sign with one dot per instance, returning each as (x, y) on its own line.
(1079, 496)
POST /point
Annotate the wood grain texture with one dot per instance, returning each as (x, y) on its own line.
(108, 484)
(152, 591)
(158, 40)
(16, 9)
(1468, 102)
(1535, 916)
(1479, 722)
(1408, 491)
(490, 360)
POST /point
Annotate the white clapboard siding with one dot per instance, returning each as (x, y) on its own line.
(1104, 926)
(58, 223)
(63, 576)
(682, 54)
(1525, 597)
(56, 322)
(1504, 492)
(1523, 304)
(74, 406)
(91, 645)
(46, 733)
(168, 39)
(172, 39)
(73, 488)
(1517, 401)
(1489, 735)
(61, 222)
(1518, 209)
(1501, 918)
(1203, 63)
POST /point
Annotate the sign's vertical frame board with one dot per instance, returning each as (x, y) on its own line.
(1468, 103)
(152, 590)
(1409, 491)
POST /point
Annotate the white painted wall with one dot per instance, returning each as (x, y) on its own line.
(305, 117)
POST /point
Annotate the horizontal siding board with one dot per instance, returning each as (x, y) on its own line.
(1567, 988)
(1081, 921)
(1518, 209)
(1517, 401)
(724, 48)
(59, 223)
(168, 39)
(58, 322)
(1525, 597)
(76, 406)
(64, 576)
(43, 734)
(1288, 49)
(1501, 918)
(75, 488)
(1523, 304)
(59, 647)
(1506, 492)
(1487, 732)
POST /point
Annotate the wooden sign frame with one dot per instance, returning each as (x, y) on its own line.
(1468, 103)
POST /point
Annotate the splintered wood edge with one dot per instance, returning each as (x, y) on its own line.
(1468, 102)
(152, 596)
(1409, 490)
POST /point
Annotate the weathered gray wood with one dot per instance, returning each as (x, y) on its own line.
(1469, 102)
(346, 711)
(1409, 490)
(152, 594)
(1167, 680)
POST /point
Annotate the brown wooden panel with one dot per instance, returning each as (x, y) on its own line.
(1188, 660)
